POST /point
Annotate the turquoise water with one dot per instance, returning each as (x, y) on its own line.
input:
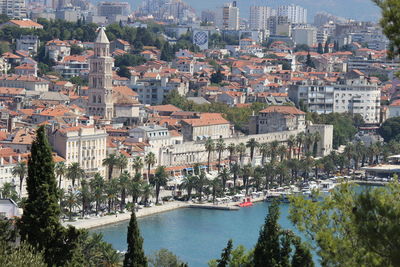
(196, 235)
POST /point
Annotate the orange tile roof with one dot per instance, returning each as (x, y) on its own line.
(207, 119)
(283, 109)
(10, 91)
(168, 108)
(26, 23)
(125, 90)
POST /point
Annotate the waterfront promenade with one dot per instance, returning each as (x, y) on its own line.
(94, 222)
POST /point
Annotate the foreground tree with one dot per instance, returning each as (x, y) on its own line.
(40, 224)
(134, 256)
(164, 257)
(352, 228)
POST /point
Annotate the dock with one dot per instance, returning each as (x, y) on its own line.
(213, 207)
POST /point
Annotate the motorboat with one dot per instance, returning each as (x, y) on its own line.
(246, 203)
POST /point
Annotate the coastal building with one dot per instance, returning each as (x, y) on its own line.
(29, 82)
(83, 144)
(100, 91)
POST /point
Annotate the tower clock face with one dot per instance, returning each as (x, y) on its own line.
(200, 38)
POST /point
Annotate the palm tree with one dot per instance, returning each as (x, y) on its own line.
(282, 152)
(247, 171)
(71, 201)
(188, 183)
(308, 141)
(84, 196)
(147, 192)
(317, 138)
(282, 171)
(122, 162)
(252, 144)
(241, 149)
(159, 179)
(110, 256)
(75, 172)
(111, 190)
(264, 150)
(150, 160)
(269, 171)
(274, 150)
(110, 161)
(124, 181)
(137, 164)
(215, 185)
(257, 177)
(291, 142)
(294, 166)
(60, 170)
(318, 164)
(300, 141)
(235, 169)
(224, 176)
(220, 147)
(20, 170)
(349, 152)
(232, 149)
(209, 145)
(135, 190)
(200, 183)
(8, 191)
(97, 188)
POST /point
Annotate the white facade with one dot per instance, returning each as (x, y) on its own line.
(85, 145)
(295, 14)
(259, 16)
(228, 17)
(305, 35)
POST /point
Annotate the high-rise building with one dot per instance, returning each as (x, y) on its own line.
(259, 16)
(13, 8)
(114, 11)
(228, 17)
(295, 14)
(100, 79)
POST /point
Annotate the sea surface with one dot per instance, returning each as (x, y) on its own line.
(196, 235)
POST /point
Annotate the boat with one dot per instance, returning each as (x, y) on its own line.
(246, 203)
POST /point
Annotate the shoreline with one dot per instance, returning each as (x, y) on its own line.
(98, 222)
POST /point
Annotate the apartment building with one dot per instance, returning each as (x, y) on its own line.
(305, 35)
(353, 95)
(13, 8)
(295, 14)
(28, 43)
(29, 82)
(259, 16)
(228, 17)
(56, 49)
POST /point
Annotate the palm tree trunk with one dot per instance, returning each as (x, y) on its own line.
(208, 161)
(157, 192)
(219, 161)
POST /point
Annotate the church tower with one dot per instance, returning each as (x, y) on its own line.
(100, 102)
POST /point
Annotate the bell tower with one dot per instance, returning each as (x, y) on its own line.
(100, 102)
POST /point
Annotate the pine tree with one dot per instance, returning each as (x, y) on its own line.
(40, 224)
(302, 256)
(134, 256)
(226, 255)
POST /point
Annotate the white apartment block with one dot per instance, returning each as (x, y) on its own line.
(228, 17)
(259, 16)
(353, 96)
(305, 35)
(14, 9)
(295, 14)
(85, 145)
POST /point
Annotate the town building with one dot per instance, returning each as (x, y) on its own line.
(29, 82)
(56, 49)
(205, 125)
(28, 43)
(277, 119)
(14, 9)
(85, 145)
(259, 16)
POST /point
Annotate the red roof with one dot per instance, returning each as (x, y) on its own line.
(283, 109)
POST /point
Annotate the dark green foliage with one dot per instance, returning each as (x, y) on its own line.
(226, 255)
(344, 125)
(309, 62)
(22, 256)
(40, 224)
(134, 256)
(302, 256)
(124, 72)
(165, 258)
(129, 60)
(390, 129)
(326, 48)
(76, 50)
(167, 53)
(78, 80)
(217, 77)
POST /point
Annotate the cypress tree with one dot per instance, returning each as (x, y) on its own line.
(320, 50)
(326, 48)
(226, 255)
(134, 256)
(267, 251)
(40, 224)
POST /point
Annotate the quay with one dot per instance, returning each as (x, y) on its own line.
(213, 207)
